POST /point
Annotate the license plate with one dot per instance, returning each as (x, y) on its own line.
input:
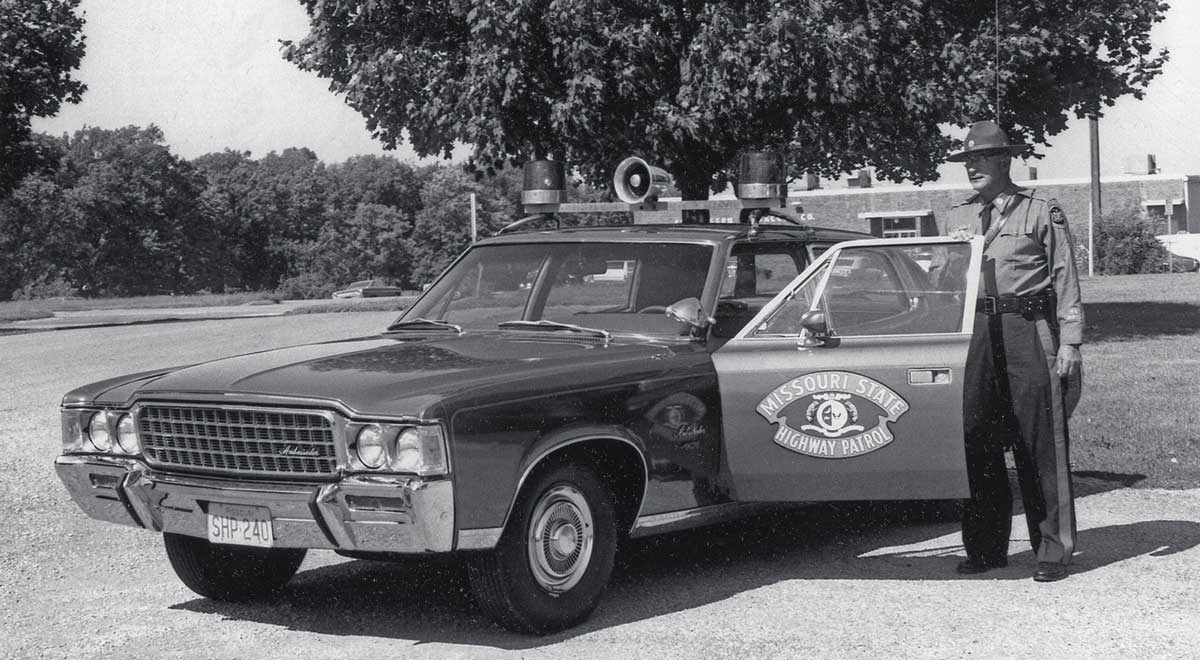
(240, 525)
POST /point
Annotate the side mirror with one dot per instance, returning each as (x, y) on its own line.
(814, 330)
(688, 311)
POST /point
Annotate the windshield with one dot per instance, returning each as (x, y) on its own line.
(618, 286)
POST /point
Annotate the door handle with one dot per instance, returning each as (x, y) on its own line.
(929, 376)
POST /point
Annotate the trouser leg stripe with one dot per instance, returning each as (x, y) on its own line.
(1066, 500)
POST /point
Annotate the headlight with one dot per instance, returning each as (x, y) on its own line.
(369, 446)
(127, 438)
(400, 448)
(408, 451)
(421, 449)
(98, 432)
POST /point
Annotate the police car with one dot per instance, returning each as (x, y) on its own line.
(555, 392)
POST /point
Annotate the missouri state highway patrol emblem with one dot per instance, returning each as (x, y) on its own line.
(832, 414)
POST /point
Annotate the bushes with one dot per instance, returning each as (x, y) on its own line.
(306, 286)
(1125, 245)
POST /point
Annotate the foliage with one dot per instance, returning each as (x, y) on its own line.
(1126, 245)
(307, 286)
(443, 228)
(41, 44)
(841, 83)
(132, 215)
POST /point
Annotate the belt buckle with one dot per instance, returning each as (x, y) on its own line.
(989, 305)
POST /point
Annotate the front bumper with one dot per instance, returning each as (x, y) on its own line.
(364, 512)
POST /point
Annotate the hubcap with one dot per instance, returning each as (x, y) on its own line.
(560, 539)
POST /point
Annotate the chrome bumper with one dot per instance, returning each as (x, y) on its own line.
(365, 512)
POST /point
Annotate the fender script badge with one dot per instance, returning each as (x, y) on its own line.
(832, 427)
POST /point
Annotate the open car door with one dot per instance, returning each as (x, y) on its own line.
(848, 384)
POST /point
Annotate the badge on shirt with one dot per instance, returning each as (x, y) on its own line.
(1056, 214)
(1074, 314)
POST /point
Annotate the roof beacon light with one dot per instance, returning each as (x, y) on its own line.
(637, 181)
(761, 175)
(544, 183)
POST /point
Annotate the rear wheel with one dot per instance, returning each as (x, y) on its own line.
(229, 572)
(553, 562)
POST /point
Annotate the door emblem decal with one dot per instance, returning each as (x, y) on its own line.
(836, 416)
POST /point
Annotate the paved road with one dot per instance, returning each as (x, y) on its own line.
(808, 584)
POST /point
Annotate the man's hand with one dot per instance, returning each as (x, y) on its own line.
(962, 234)
(1069, 361)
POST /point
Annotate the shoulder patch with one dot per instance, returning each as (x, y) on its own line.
(1056, 213)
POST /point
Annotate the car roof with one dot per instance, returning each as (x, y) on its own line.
(714, 233)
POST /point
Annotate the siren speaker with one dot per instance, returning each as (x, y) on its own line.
(636, 181)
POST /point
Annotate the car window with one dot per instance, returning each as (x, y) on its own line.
(877, 290)
(617, 286)
(754, 273)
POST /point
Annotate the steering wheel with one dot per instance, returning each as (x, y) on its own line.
(653, 309)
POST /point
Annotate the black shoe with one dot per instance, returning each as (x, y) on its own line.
(1049, 572)
(973, 566)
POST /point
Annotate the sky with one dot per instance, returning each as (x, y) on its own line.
(211, 76)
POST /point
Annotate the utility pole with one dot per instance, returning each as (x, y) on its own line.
(1094, 211)
(473, 230)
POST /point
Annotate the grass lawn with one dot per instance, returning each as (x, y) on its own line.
(389, 304)
(1140, 411)
(39, 309)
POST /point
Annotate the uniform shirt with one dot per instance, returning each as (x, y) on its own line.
(1031, 252)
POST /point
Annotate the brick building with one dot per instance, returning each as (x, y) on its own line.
(889, 210)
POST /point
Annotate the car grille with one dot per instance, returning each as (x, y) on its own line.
(239, 440)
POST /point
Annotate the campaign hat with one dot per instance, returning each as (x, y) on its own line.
(986, 136)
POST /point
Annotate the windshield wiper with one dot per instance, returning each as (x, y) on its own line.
(555, 326)
(424, 324)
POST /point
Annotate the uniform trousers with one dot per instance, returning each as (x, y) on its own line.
(1013, 399)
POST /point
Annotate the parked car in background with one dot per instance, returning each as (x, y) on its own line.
(1185, 252)
(1178, 264)
(368, 289)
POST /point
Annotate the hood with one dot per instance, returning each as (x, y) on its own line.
(399, 375)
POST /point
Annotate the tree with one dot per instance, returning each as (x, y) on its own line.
(41, 44)
(132, 208)
(442, 230)
(689, 84)
(37, 233)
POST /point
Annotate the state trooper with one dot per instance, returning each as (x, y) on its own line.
(1023, 366)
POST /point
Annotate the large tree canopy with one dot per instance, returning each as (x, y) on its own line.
(41, 44)
(689, 83)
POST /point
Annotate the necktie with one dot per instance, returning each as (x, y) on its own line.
(985, 218)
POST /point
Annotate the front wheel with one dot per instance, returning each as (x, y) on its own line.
(553, 562)
(229, 572)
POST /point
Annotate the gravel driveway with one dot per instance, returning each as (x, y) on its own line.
(824, 582)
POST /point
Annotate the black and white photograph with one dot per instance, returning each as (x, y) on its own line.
(600, 329)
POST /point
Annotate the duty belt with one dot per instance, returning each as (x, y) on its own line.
(1042, 302)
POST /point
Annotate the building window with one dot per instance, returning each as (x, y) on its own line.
(900, 224)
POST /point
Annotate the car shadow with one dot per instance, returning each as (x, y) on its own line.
(1125, 321)
(430, 601)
